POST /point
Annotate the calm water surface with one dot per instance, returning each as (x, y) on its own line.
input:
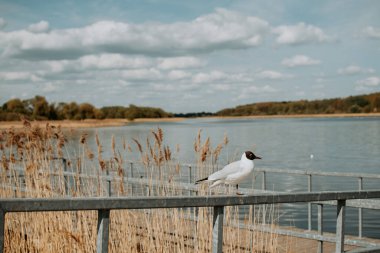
(336, 144)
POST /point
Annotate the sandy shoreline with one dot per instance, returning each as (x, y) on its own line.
(90, 123)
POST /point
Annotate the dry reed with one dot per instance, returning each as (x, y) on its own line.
(31, 166)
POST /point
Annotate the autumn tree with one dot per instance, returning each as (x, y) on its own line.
(14, 105)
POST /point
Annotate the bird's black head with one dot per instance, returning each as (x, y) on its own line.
(251, 156)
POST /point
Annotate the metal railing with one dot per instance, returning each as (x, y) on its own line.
(132, 175)
(309, 174)
(105, 205)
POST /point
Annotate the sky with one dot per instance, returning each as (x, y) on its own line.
(188, 56)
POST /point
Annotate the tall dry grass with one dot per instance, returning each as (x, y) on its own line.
(31, 166)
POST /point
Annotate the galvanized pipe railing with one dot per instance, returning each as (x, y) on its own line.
(105, 205)
(265, 171)
(310, 174)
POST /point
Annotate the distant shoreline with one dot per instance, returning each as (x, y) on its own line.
(333, 115)
(94, 123)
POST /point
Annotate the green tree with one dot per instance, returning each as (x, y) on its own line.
(53, 114)
(86, 111)
(37, 107)
(357, 100)
(41, 107)
(70, 111)
(132, 112)
(376, 104)
(14, 105)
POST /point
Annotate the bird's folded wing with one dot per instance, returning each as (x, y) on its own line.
(227, 170)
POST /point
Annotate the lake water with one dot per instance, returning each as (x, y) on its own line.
(323, 144)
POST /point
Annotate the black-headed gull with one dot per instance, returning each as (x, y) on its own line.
(234, 172)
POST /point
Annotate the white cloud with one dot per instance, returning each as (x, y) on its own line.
(178, 74)
(142, 74)
(220, 30)
(165, 87)
(300, 93)
(319, 85)
(368, 84)
(370, 81)
(19, 76)
(180, 63)
(300, 34)
(320, 80)
(372, 32)
(40, 27)
(49, 87)
(112, 61)
(101, 62)
(299, 60)
(353, 70)
(247, 92)
(57, 66)
(273, 75)
(263, 89)
(222, 87)
(217, 76)
(209, 77)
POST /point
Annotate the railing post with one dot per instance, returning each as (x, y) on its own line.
(217, 229)
(264, 182)
(65, 177)
(264, 187)
(131, 177)
(103, 231)
(131, 169)
(108, 180)
(109, 188)
(309, 187)
(190, 179)
(360, 210)
(320, 227)
(2, 229)
(341, 206)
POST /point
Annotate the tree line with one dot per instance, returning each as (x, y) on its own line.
(353, 104)
(38, 108)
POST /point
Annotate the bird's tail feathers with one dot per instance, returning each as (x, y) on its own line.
(200, 180)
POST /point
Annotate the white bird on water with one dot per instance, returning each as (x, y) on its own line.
(234, 172)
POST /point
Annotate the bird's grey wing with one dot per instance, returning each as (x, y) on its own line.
(227, 170)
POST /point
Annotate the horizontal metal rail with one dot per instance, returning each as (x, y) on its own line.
(104, 205)
(75, 204)
(318, 173)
